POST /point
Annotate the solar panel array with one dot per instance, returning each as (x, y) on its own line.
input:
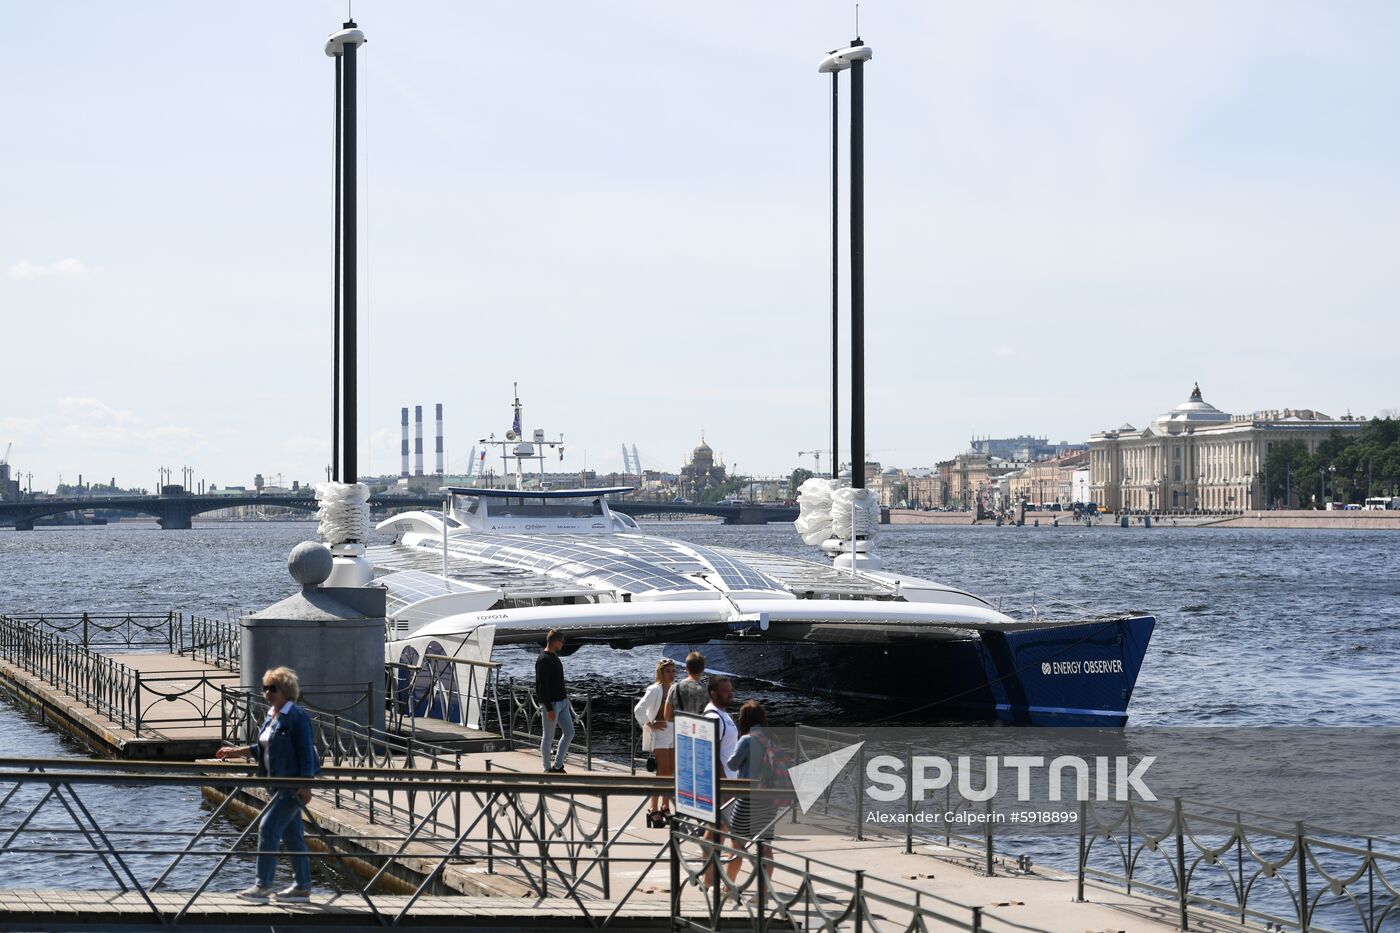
(805, 576)
(631, 563)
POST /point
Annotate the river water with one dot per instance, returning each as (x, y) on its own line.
(1255, 626)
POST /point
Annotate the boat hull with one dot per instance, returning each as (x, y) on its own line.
(1072, 674)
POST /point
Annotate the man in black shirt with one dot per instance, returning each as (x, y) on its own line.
(554, 700)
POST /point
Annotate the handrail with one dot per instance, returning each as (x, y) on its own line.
(558, 836)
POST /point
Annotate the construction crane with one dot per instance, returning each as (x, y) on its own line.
(816, 456)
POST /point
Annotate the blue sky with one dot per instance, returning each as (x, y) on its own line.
(1074, 212)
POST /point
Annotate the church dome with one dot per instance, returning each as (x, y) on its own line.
(1194, 411)
(703, 450)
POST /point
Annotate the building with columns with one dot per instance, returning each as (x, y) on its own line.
(1196, 456)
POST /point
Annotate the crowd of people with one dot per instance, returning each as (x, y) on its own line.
(745, 750)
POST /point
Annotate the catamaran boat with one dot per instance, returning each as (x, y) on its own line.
(501, 567)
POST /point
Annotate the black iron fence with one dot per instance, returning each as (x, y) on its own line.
(213, 641)
(1197, 856)
(576, 840)
(1253, 867)
(523, 722)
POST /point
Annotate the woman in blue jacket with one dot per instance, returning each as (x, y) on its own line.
(284, 749)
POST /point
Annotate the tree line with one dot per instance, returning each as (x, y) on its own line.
(1346, 468)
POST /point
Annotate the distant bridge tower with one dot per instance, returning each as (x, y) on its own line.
(637, 464)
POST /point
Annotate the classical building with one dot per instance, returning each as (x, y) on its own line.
(1047, 482)
(1197, 456)
(967, 479)
(702, 472)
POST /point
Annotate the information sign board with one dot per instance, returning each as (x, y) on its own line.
(697, 773)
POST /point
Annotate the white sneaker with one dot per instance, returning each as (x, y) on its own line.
(294, 895)
(257, 892)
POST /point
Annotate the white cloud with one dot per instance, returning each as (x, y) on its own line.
(1004, 352)
(69, 268)
(95, 411)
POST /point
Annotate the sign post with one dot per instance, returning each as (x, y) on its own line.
(697, 767)
(697, 783)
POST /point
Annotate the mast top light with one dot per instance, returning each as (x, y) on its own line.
(841, 59)
(337, 41)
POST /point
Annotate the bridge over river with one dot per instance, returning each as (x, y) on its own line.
(178, 511)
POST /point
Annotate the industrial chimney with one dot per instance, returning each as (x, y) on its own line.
(439, 469)
(403, 470)
(417, 440)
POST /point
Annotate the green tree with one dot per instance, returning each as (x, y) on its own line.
(798, 477)
(1283, 466)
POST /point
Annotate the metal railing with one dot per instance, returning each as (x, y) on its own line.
(1200, 857)
(98, 682)
(524, 721)
(776, 888)
(1250, 866)
(576, 840)
(119, 630)
(213, 641)
(432, 689)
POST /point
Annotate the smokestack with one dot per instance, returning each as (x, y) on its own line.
(439, 439)
(403, 470)
(417, 440)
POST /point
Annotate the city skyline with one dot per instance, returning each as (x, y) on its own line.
(1072, 215)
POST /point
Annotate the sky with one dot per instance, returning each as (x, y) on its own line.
(1074, 211)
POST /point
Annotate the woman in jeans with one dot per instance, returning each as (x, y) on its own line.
(284, 749)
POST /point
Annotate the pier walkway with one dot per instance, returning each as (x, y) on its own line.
(455, 819)
(494, 850)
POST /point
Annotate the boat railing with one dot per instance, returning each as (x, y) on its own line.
(434, 689)
(1034, 606)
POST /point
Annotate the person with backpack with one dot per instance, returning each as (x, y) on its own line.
(759, 759)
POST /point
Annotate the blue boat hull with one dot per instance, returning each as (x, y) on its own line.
(1070, 674)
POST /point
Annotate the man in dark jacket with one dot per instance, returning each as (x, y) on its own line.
(554, 700)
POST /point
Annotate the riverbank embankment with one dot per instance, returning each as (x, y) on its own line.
(1277, 518)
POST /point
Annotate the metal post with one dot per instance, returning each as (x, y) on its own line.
(345, 466)
(987, 837)
(1180, 865)
(675, 880)
(835, 276)
(85, 629)
(857, 272)
(860, 900)
(1302, 878)
(588, 733)
(137, 712)
(860, 795)
(909, 801)
(1083, 852)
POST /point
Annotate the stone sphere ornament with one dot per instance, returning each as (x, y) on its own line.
(310, 563)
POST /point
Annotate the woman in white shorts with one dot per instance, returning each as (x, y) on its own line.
(658, 735)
